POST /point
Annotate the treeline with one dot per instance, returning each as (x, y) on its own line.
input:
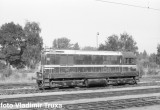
(113, 43)
(20, 46)
(123, 42)
(149, 64)
(65, 43)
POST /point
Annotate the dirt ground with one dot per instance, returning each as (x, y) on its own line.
(150, 78)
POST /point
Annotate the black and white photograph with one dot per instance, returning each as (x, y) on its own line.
(79, 55)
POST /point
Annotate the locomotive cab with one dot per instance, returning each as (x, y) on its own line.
(129, 59)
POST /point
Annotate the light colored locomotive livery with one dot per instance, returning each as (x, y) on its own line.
(60, 68)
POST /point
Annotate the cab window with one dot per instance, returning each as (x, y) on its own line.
(129, 61)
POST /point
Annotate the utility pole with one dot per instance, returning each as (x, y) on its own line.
(97, 38)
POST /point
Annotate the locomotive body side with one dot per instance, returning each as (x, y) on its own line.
(74, 67)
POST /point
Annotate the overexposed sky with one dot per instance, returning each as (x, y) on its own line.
(80, 20)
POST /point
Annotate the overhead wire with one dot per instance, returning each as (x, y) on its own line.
(138, 6)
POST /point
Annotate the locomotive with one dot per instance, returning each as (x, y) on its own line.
(61, 68)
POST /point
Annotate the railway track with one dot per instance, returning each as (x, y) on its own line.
(105, 103)
(27, 89)
(97, 105)
(72, 100)
(114, 104)
(109, 105)
(77, 95)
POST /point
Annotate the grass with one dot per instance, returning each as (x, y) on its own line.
(18, 76)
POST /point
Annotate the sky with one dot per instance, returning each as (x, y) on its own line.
(80, 20)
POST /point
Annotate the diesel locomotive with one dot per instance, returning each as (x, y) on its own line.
(65, 68)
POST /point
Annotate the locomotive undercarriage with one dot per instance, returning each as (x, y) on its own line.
(87, 82)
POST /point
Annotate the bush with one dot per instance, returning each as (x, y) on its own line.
(152, 72)
(6, 72)
(2, 66)
(18, 76)
(140, 69)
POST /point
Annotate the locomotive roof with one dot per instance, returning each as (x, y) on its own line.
(83, 52)
(86, 52)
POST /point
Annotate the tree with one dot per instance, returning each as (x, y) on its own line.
(112, 44)
(152, 60)
(145, 55)
(89, 48)
(153, 57)
(62, 43)
(127, 43)
(33, 44)
(124, 43)
(158, 54)
(19, 46)
(140, 56)
(76, 46)
(11, 43)
(145, 59)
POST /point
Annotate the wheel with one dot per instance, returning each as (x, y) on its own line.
(107, 82)
(40, 85)
(134, 81)
(86, 83)
(52, 84)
